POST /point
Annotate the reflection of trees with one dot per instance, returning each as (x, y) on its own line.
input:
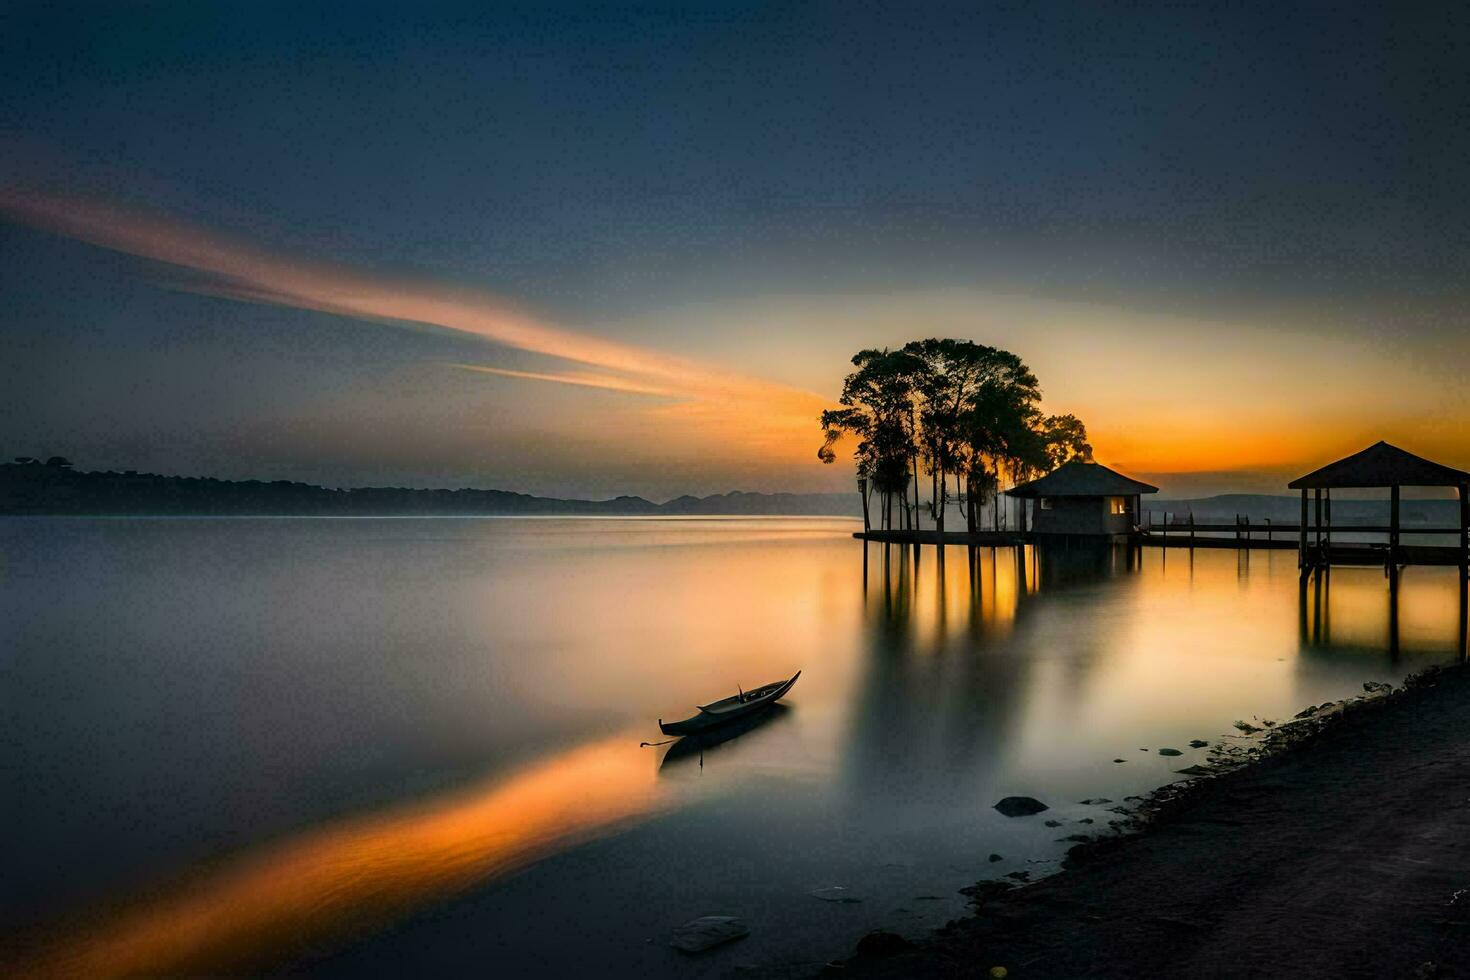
(952, 646)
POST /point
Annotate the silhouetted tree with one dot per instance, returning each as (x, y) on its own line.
(975, 398)
(879, 411)
(965, 409)
(1066, 439)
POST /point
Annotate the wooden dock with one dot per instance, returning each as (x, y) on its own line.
(1318, 543)
(1244, 535)
(977, 539)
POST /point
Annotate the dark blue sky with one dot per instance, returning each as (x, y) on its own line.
(599, 163)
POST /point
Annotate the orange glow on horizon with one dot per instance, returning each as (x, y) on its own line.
(1192, 398)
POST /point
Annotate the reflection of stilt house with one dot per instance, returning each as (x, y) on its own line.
(1377, 467)
(1084, 499)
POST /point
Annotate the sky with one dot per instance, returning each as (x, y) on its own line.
(594, 249)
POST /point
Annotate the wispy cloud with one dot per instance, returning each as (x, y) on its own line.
(724, 405)
(578, 378)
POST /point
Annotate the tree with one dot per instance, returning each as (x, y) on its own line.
(1066, 439)
(962, 408)
(879, 411)
(973, 395)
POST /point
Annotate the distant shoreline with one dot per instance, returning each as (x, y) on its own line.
(38, 489)
(648, 518)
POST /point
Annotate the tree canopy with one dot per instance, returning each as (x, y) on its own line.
(956, 408)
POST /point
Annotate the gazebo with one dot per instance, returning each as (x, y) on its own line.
(1380, 465)
(1084, 498)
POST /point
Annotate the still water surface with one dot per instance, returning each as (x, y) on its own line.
(408, 745)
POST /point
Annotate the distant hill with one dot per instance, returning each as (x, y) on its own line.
(739, 502)
(56, 489)
(1288, 510)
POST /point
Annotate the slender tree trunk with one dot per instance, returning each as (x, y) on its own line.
(914, 459)
(943, 496)
(934, 497)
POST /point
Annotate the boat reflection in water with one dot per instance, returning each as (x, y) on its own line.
(692, 747)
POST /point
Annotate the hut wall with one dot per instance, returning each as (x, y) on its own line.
(1081, 516)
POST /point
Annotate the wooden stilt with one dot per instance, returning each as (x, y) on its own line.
(1317, 520)
(1393, 526)
(1329, 520)
(1464, 531)
(1301, 548)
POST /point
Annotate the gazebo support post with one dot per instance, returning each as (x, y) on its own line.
(1393, 524)
(1301, 546)
(1317, 520)
(1464, 530)
(1329, 520)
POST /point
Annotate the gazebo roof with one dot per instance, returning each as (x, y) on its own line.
(1381, 465)
(1079, 479)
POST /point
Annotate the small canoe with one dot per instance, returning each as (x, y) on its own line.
(726, 710)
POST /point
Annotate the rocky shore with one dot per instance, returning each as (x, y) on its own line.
(1334, 845)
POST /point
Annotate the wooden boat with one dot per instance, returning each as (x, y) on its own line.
(726, 710)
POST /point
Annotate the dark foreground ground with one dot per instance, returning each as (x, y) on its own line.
(1346, 856)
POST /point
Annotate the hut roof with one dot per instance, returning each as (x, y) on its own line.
(1382, 465)
(1079, 479)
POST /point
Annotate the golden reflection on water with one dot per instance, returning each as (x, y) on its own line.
(1357, 608)
(344, 877)
(1122, 647)
(989, 662)
(938, 597)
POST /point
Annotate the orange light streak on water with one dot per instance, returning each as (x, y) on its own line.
(338, 879)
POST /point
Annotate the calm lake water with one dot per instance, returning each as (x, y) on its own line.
(412, 745)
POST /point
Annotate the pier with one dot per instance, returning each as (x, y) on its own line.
(1101, 504)
(969, 539)
(1265, 536)
(1380, 466)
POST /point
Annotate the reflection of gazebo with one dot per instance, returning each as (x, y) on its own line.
(1378, 466)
